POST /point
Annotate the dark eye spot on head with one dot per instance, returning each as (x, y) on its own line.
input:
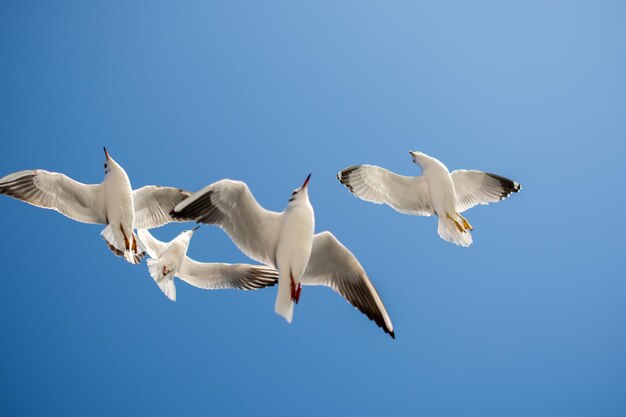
(294, 193)
(105, 165)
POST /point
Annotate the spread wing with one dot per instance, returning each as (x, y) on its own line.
(231, 206)
(154, 203)
(476, 187)
(408, 195)
(153, 246)
(51, 190)
(332, 265)
(213, 276)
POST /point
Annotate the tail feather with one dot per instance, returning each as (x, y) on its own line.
(284, 304)
(449, 232)
(165, 282)
(115, 241)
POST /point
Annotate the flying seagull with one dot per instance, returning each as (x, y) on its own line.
(436, 191)
(169, 260)
(286, 241)
(112, 202)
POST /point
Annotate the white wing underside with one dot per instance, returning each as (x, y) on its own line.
(332, 265)
(230, 205)
(476, 187)
(153, 246)
(81, 202)
(154, 203)
(213, 276)
(408, 195)
(86, 202)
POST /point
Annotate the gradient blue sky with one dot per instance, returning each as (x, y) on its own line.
(528, 321)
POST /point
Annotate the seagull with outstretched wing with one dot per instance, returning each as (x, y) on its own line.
(437, 191)
(286, 241)
(112, 202)
(169, 260)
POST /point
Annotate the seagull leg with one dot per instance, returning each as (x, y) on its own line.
(134, 244)
(456, 222)
(298, 291)
(126, 242)
(166, 270)
(295, 291)
(466, 224)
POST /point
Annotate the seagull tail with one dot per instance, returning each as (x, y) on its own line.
(164, 281)
(116, 242)
(284, 304)
(449, 231)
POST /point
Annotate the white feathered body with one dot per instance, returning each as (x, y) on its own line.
(293, 251)
(443, 199)
(120, 211)
(440, 186)
(119, 200)
(164, 266)
(174, 255)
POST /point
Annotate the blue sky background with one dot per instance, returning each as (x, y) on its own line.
(528, 321)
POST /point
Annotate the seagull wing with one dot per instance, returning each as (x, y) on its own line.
(153, 246)
(332, 265)
(408, 195)
(476, 187)
(153, 205)
(51, 190)
(213, 276)
(231, 206)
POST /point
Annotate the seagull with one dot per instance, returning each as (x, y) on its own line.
(286, 241)
(112, 202)
(436, 191)
(169, 260)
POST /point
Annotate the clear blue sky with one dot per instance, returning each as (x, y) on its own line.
(528, 321)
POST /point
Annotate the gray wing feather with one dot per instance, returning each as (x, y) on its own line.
(332, 265)
(231, 206)
(153, 246)
(154, 203)
(476, 187)
(408, 195)
(51, 190)
(213, 276)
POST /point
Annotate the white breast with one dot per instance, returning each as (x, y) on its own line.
(295, 240)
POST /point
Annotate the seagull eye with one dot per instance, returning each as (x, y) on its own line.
(105, 166)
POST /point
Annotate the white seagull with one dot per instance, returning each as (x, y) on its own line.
(169, 260)
(436, 191)
(112, 202)
(286, 241)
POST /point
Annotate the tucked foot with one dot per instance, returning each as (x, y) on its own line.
(126, 241)
(295, 290)
(466, 224)
(456, 222)
(166, 270)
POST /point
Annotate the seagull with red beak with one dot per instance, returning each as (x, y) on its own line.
(113, 202)
(286, 241)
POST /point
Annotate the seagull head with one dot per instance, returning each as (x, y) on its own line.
(191, 231)
(419, 158)
(301, 193)
(187, 234)
(109, 163)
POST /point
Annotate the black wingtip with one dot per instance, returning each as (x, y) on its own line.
(392, 334)
(507, 185)
(344, 176)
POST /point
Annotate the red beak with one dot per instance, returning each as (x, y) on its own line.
(105, 152)
(306, 182)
